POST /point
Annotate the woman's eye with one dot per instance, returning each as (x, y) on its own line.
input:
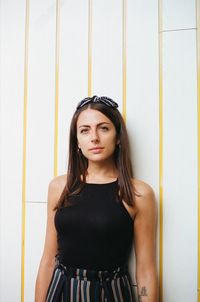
(104, 128)
(84, 130)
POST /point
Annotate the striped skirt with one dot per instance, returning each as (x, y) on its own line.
(83, 285)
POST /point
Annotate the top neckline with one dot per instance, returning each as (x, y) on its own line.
(101, 184)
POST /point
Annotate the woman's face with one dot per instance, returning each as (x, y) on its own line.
(96, 135)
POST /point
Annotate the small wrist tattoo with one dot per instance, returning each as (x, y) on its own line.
(143, 293)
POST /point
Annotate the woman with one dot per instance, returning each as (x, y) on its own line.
(95, 213)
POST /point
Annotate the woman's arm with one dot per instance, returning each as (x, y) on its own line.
(47, 262)
(145, 225)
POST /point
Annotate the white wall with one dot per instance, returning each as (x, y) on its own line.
(180, 151)
(142, 115)
(12, 74)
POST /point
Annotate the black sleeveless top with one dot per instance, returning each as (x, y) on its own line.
(96, 230)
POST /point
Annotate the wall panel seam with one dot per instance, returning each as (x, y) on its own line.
(27, 7)
(35, 201)
(160, 37)
(57, 60)
(124, 21)
(89, 47)
(198, 136)
(179, 29)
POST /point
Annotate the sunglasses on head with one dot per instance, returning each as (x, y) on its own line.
(95, 99)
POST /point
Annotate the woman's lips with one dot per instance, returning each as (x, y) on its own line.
(96, 149)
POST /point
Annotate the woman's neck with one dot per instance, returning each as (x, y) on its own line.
(101, 173)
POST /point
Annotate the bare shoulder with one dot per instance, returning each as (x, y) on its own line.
(55, 188)
(142, 187)
(58, 181)
(146, 197)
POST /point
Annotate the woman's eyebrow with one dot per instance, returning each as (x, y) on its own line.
(99, 124)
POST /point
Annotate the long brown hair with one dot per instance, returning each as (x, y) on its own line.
(78, 163)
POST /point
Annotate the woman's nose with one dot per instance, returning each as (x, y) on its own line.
(94, 136)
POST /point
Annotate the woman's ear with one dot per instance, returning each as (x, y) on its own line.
(118, 141)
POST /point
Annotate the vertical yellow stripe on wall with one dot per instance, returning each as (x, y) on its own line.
(24, 151)
(124, 8)
(89, 47)
(160, 12)
(198, 131)
(57, 86)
